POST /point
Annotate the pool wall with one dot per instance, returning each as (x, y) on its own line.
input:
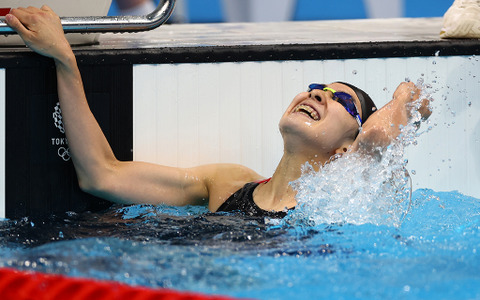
(191, 114)
(184, 95)
(39, 175)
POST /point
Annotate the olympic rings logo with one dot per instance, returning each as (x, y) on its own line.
(63, 152)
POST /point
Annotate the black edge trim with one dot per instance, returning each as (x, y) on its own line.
(209, 54)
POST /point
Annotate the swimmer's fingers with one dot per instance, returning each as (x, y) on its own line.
(41, 29)
(408, 95)
(406, 92)
(12, 20)
(424, 109)
(413, 90)
(23, 21)
(46, 8)
(34, 18)
(421, 105)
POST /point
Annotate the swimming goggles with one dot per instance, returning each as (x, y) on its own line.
(344, 99)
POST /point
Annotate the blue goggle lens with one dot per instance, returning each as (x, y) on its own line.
(344, 99)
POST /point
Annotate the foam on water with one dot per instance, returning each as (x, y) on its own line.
(358, 189)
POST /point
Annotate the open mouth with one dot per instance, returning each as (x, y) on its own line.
(308, 110)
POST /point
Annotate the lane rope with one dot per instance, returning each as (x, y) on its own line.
(23, 285)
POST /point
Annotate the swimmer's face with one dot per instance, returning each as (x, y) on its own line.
(316, 122)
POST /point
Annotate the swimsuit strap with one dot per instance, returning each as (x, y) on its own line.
(263, 180)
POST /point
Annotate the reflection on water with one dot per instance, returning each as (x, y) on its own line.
(191, 225)
(184, 248)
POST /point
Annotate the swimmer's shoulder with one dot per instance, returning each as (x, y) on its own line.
(222, 180)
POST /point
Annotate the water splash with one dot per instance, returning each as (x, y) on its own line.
(359, 189)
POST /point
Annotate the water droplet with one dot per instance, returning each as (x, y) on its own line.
(354, 72)
(434, 62)
(470, 103)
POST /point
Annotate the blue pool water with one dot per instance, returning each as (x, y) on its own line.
(431, 255)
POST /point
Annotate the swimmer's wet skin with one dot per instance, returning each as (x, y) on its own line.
(315, 127)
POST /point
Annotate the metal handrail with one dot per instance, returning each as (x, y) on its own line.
(111, 24)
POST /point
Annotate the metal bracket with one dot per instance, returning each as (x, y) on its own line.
(111, 24)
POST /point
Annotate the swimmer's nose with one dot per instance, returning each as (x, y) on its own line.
(317, 95)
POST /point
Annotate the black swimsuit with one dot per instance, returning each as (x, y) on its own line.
(242, 201)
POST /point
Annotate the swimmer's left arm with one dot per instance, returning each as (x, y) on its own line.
(385, 125)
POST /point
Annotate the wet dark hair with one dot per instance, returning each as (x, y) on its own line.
(368, 107)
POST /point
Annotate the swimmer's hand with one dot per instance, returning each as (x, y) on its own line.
(384, 126)
(408, 94)
(40, 29)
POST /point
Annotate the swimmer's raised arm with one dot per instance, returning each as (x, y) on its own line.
(383, 126)
(98, 171)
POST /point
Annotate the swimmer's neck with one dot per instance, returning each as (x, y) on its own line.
(278, 193)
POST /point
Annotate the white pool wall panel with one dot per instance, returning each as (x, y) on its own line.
(191, 114)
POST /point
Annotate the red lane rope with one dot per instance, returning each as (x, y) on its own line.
(26, 285)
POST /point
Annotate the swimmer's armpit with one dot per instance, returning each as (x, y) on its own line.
(373, 141)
